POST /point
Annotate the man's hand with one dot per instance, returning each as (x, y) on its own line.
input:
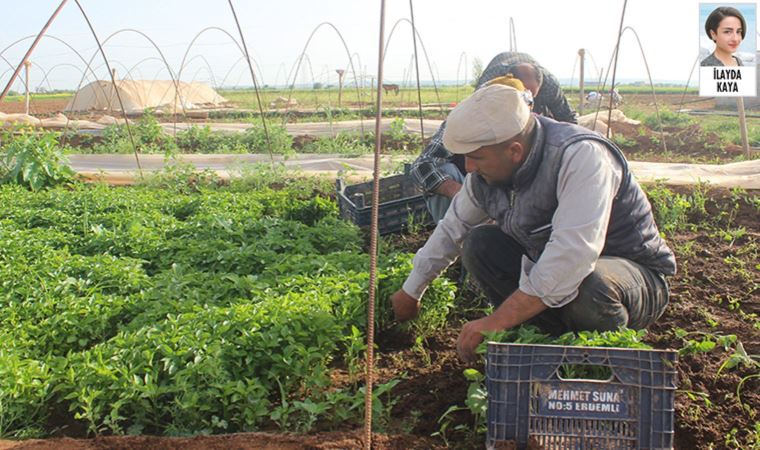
(405, 307)
(448, 188)
(472, 335)
(516, 309)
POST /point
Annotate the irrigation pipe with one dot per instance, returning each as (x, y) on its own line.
(373, 241)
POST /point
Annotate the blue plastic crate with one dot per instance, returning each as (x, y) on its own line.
(400, 200)
(528, 399)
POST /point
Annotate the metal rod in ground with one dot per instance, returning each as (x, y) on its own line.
(31, 49)
(255, 83)
(743, 125)
(417, 70)
(651, 84)
(614, 67)
(115, 88)
(688, 80)
(373, 242)
(27, 66)
(582, 56)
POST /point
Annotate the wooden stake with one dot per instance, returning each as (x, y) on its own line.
(743, 125)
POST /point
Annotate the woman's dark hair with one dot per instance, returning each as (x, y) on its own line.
(713, 20)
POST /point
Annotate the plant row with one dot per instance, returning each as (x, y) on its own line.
(136, 310)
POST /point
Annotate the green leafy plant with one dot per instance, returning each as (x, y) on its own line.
(671, 209)
(341, 143)
(740, 358)
(397, 129)
(33, 159)
(179, 308)
(667, 118)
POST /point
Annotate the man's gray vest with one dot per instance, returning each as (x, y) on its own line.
(525, 210)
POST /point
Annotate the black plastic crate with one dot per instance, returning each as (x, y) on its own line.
(528, 399)
(400, 200)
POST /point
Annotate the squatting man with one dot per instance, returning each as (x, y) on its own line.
(550, 223)
(440, 173)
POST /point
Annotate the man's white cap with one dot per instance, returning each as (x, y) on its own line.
(492, 115)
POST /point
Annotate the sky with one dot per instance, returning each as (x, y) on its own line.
(453, 34)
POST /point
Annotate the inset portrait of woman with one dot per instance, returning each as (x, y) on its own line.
(726, 27)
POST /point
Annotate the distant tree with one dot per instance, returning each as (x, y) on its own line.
(317, 85)
(477, 71)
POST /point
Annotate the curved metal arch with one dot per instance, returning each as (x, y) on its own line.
(459, 66)
(121, 64)
(281, 69)
(187, 51)
(512, 35)
(195, 74)
(6, 71)
(361, 73)
(160, 53)
(154, 77)
(300, 59)
(593, 61)
(57, 39)
(242, 58)
(42, 69)
(424, 51)
(45, 77)
(317, 106)
(688, 80)
(232, 67)
(135, 66)
(192, 42)
(7, 62)
(208, 67)
(316, 97)
(651, 84)
(118, 96)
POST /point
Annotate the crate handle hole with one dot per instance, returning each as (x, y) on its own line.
(595, 372)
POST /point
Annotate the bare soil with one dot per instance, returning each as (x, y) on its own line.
(38, 108)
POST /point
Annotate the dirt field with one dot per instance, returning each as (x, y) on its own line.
(40, 108)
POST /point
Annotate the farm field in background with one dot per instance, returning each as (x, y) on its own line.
(710, 138)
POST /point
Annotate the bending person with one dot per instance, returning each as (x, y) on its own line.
(440, 173)
(574, 245)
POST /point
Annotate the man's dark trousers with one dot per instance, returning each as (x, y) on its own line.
(619, 292)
